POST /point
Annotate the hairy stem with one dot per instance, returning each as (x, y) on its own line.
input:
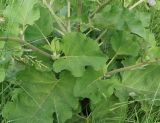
(21, 41)
(132, 67)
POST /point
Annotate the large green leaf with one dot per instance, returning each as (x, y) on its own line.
(92, 85)
(117, 17)
(125, 43)
(141, 84)
(79, 51)
(22, 12)
(40, 96)
(42, 27)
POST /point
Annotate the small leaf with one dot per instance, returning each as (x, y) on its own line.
(55, 45)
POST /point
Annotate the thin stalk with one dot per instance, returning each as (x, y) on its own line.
(21, 41)
(59, 31)
(136, 4)
(87, 120)
(90, 30)
(110, 62)
(101, 35)
(132, 67)
(129, 68)
(2, 95)
(69, 15)
(43, 35)
(79, 12)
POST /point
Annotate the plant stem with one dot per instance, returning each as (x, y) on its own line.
(111, 60)
(87, 120)
(100, 8)
(21, 41)
(69, 15)
(132, 67)
(136, 4)
(59, 31)
(101, 35)
(43, 35)
(79, 11)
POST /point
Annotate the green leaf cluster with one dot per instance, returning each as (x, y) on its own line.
(78, 61)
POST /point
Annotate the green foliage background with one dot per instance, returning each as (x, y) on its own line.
(79, 61)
